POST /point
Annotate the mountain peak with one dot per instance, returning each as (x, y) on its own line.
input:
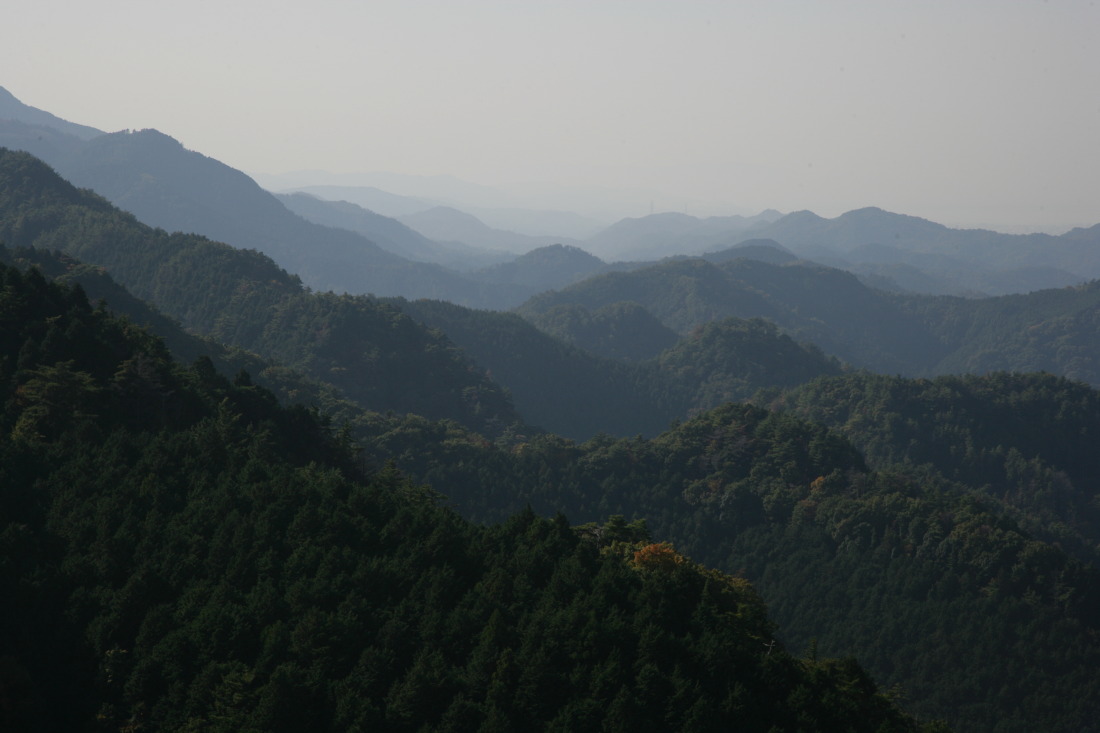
(804, 216)
(872, 215)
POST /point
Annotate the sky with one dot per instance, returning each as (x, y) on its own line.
(970, 113)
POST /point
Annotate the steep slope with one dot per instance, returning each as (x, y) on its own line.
(363, 347)
(181, 553)
(367, 197)
(167, 186)
(729, 360)
(932, 584)
(572, 392)
(824, 306)
(623, 330)
(555, 386)
(1048, 330)
(1025, 439)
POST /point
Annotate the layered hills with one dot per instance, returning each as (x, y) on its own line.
(380, 356)
(180, 552)
(384, 355)
(185, 552)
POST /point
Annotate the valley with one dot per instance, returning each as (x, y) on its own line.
(306, 463)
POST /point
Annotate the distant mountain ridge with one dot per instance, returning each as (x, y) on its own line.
(167, 186)
(170, 187)
(12, 109)
(396, 195)
(894, 251)
(672, 233)
(445, 224)
(889, 251)
(935, 554)
(376, 355)
(544, 268)
(387, 232)
(822, 305)
(975, 260)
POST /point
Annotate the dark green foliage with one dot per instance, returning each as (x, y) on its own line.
(375, 354)
(178, 552)
(1026, 440)
(616, 331)
(571, 392)
(555, 386)
(822, 305)
(929, 583)
(1046, 330)
(211, 559)
(729, 360)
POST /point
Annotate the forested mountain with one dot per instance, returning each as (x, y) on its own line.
(571, 392)
(154, 177)
(366, 348)
(891, 568)
(731, 359)
(374, 353)
(181, 553)
(932, 583)
(821, 305)
(622, 330)
(1049, 330)
(553, 385)
(1026, 440)
(545, 268)
(185, 553)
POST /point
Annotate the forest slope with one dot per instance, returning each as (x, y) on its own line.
(1055, 330)
(178, 552)
(824, 306)
(1026, 440)
(368, 349)
(929, 582)
(574, 393)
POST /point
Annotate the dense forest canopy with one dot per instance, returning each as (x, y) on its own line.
(922, 577)
(180, 552)
(189, 551)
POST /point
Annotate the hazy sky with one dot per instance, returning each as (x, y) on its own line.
(962, 112)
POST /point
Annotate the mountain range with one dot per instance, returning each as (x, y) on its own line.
(177, 189)
(197, 552)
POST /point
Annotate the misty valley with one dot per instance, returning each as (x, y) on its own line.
(333, 458)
